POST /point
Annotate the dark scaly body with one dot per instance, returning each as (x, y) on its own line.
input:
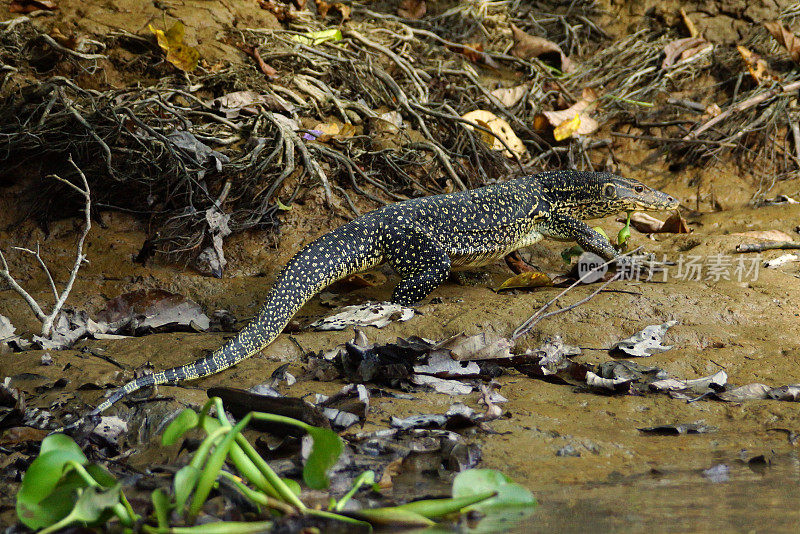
(423, 239)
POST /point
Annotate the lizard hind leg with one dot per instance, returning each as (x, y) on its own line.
(420, 260)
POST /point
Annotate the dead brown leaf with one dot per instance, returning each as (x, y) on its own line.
(501, 129)
(574, 120)
(63, 40)
(529, 47)
(29, 6)
(683, 49)
(756, 65)
(268, 71)
(528, 279)
(511, 95)
(786, 38)
(647, 224)
(323, 8)
(412, 9)
(689, 24)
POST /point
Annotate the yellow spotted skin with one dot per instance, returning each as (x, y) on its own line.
(423, 239)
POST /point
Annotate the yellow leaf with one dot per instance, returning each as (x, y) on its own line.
(315, 38)
(527, 279)
(178, 52)
(500, 128)
(567, 128)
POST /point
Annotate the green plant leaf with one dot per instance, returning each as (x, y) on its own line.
(392, 517)
(433, 508)
(474, 482)
(161, 507)
(225, 527)
(211, 470)
(625, 231)
(184, 482)
(186, 420)
(293, 485)
(94, 506)
(326, 450)
(41, 479)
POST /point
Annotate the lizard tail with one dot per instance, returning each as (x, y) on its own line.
(335, 255)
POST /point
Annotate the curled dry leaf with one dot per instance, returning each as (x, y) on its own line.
(412, 9)
(500, 128)
(511, 95)
(6, 328)
(647, 224)
(377, 314)
(786, 38)
(683, 49)
(529, 47)
(528, 279)
(574, 120)
(756, 65)
(178, 52)
(323, 8)
(29, 6)
(645, 343)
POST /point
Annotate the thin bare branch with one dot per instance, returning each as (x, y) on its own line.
(6, 275)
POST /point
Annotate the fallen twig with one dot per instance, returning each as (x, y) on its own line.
(531, 321)
(767, 245)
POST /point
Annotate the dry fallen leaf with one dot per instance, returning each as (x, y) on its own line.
(29, 6)
(324, 7)
(528, 47)
(756, 65)
(689, 24)
(786, 38)
(178, 52)
(333, 130)
(682, 49)
(528, 279)
(500, 128)
(574, 120)
(511, 95)
(647, 224)
(412, 9)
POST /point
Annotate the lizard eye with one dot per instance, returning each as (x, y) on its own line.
(610, 191)
(638, 188)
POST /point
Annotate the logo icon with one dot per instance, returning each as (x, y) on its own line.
(591, 267)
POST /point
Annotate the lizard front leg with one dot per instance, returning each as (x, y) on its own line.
(420, 260)
(566, 228)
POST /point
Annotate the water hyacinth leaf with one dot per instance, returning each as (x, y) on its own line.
(161, 507)
(224, 527)
(393, 517)
(474, 482)
(42, 477)
(186, 420)
(326, 450)
(184, 482)
(433, 508)
(211, 470)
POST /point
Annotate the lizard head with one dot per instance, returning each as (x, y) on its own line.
(627, 194)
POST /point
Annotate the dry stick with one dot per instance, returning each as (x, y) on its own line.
(47, 320)
(52, 42)
(531, 321)
(44, 268)
(767, 245)
(746, 104)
